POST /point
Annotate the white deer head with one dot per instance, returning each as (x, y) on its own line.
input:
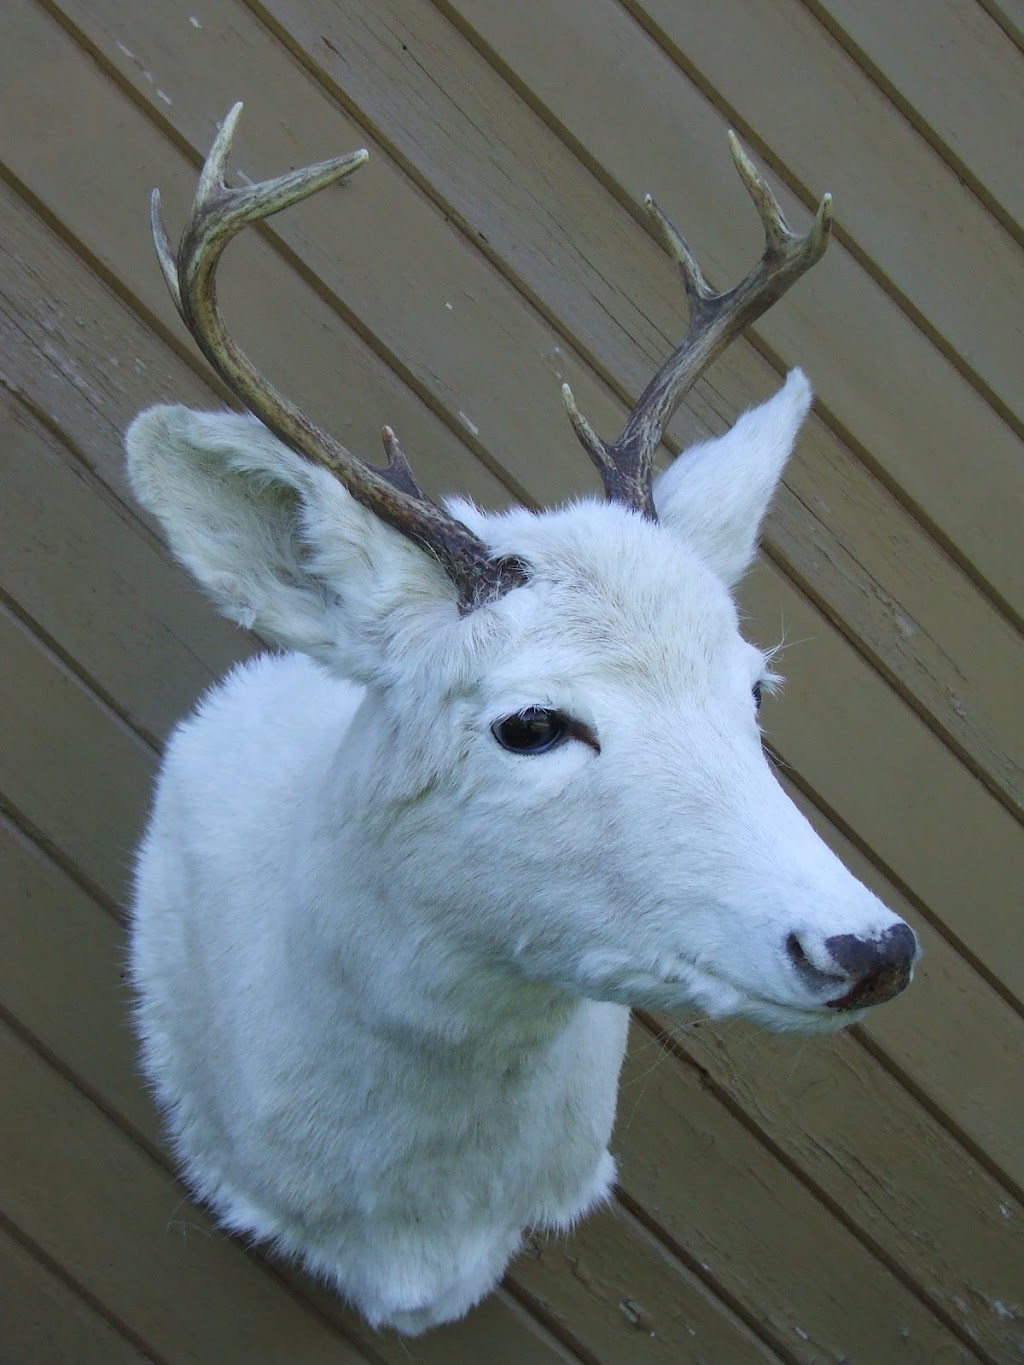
(391, 903)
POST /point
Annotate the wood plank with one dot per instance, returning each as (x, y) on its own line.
(70, 947)
(519, 189)
(1000, 1091)
(855, 1133)
(71, 767)
(44, 1322)
(949, 67)
(829, 1245)
(78, 567)
(716, 1192)
(844, 1124)
(102, 137)
(61, 976)
(840, 535)
(437, 308)
(875, 764)
(626, 1297)
(1009, 15)
(954, 1036)
(784, 78)
(103, 1209)
(836, 528)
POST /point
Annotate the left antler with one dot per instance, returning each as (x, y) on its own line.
(626, 464)
(391, 492)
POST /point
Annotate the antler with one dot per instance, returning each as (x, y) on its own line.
(626, 464)
(392, 493)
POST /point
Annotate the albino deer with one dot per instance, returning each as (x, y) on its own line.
(401, 884)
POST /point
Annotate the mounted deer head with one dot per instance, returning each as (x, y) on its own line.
(398, 887)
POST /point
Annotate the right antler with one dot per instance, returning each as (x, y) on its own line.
(392, 493)
(626, 465)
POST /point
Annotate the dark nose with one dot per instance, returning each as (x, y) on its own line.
(873, 969)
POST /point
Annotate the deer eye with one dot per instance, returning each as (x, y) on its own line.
(534, 730)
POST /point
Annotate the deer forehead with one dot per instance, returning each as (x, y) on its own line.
(612, 598)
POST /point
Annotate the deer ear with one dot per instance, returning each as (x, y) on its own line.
(279, 545)
(716, 494)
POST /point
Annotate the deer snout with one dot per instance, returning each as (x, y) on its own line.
(872, 970)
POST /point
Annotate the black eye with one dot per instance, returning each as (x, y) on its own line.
(756, 689)
(532, 731)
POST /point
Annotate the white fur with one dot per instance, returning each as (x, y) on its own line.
(383, 964)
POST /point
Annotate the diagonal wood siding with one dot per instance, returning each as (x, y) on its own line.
(856, 1198)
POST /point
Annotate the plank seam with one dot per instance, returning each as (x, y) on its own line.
(807, 588)
(907, 1082)
(675, 1249)
(547, 1322)
(475, 240)
(73, 669)
(349, 319)
(923, 909)
(996, 12)
(695, 1269)
(79, 1291)
(670, 1044)
(612, 187)
(11, 814)
(93, 689)
(917, 121)
(870, 267)
(128, 1130)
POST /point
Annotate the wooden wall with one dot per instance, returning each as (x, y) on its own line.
(857, 1198)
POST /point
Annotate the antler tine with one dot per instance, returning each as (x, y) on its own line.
(392, 493)
(626, 464)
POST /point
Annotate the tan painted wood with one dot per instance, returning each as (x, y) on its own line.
(974, 1114)
(85, 784)
(975, 1011)
(953, 1039)
(87, 165)
(872, 762)
(826, 1247)
(949, 66)
(44, 1322)
(847, 1126)
(757, 1228)
(626, 1297)
(1000, 1090)
(979, 819)
(1009, 14)
(824, 119)
(860, 556)
(957, 1041)
(499, 1330)
(62, 979)
(106, 1212)
(836, 528)
(86, 577)
(546, 219)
